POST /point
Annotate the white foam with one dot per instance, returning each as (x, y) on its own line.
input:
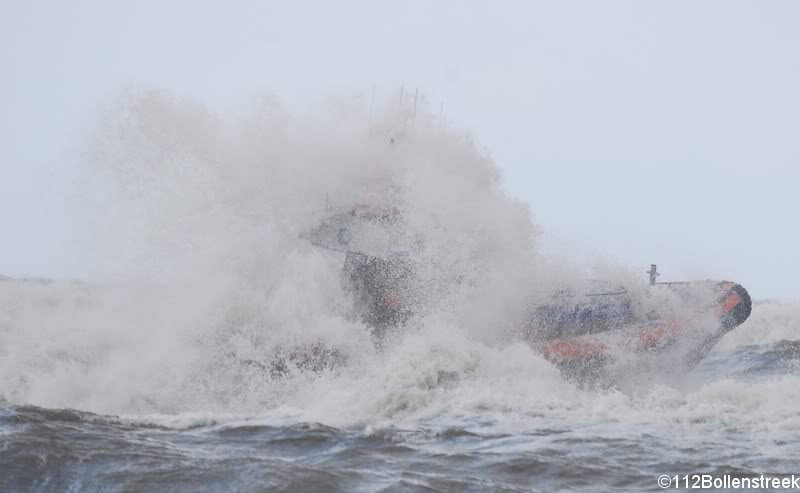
(770, 321)
(214, 274)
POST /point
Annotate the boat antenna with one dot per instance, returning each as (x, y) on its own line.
(653, 274)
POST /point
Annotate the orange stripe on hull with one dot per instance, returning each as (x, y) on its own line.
(656, 336)
(646, 337)
(730, 303)
(581, 349)
(567, 350)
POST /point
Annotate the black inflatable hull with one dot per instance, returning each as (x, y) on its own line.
(693, 329)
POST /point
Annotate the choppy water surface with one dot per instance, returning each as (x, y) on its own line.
(482, 429)
(161, 380)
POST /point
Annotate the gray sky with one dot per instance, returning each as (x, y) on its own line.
(637, 131)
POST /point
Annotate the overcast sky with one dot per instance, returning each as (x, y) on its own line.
(639, 132)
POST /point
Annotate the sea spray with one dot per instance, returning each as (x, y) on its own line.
(215, 280)
(210, 208)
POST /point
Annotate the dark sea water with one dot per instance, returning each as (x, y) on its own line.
(736, 414)
(160, 375)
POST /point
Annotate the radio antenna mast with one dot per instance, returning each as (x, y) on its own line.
(653, 274)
